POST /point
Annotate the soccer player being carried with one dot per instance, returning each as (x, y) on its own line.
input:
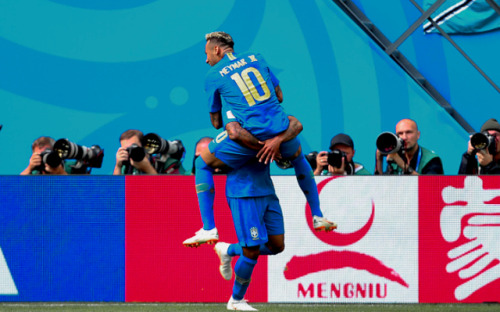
(256, 124)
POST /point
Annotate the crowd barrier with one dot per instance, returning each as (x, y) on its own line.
(429, 239)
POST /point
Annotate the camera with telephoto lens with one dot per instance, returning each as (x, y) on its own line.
(154, 144)
(50, 158)
(484, 140)
(86, 157)
(162, 150)
(388, 143)
(335, 158)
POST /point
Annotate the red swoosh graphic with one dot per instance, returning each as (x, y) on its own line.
(300, 266)
(334, 238)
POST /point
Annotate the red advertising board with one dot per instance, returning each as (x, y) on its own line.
(438, 237)
(160, 213)
(459, 239)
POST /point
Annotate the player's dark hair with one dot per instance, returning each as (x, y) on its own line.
(42, 141)
(131, 133)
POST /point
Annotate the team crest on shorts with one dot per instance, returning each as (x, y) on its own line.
(254, 233)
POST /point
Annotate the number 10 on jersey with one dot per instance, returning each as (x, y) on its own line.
(248, 88)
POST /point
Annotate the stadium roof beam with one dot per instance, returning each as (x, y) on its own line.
(391, 49)
(456, 46)
(494, 6)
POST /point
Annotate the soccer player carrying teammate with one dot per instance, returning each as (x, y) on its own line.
(259, 226)
(252, 97)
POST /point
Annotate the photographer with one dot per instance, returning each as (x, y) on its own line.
(339, 161)
(42, 149)
(132, 158)
(488, 158)
(410, 158)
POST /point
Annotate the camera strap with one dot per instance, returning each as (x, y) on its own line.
(350, 168)
(419, 158)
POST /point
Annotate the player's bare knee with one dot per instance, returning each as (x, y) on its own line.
(276, 247)
(297, 153)
(211, 160)
(251, 252)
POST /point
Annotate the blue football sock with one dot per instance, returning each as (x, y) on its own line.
(205, 191)
(305, 177)
(234, 250)
(243, 271)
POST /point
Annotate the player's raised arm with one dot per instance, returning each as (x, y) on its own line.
(279, 93)
(216, 119)
(242, 136)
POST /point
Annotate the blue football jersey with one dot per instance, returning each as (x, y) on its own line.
(246, 85)
(250, 180)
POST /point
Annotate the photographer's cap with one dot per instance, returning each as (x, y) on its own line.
(491, 124)
(341, 138)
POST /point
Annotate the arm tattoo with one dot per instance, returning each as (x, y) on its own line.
(242, 136)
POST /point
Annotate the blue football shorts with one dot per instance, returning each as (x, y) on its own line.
(235, 155)
(255, 218)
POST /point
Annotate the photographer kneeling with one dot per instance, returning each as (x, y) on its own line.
(148, 154)
(486, 146)
(339, 161)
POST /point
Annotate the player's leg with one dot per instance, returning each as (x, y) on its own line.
(248, 219)
(274, 246)
(305, 177)
(205, 191)
(292, 151)
(268, 229)
(275, 228)
(221, 152)
(246, 212)
(243, 270)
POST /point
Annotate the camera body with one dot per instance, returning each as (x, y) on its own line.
(335, 158)
(86, 157)
(50, 158)
(388, 143)
(136, 152)
(311, 158)
(484, 140)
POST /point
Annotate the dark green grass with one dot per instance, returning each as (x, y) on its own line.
(268, 307)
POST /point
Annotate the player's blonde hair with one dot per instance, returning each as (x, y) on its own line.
(220, 38)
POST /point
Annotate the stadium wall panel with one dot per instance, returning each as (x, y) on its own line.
(62, 238)
(400, 239)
